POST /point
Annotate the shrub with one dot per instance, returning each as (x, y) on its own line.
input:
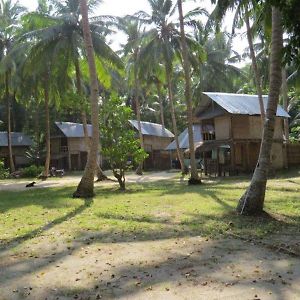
(32, 171)
(3, 172)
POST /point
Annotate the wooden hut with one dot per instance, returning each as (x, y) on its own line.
(20, 144)
(232, 129)
(69, 149)
(156, 138)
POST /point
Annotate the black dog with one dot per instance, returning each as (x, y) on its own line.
(31, 184)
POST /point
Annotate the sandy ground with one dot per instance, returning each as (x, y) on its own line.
(92, 267)
(182, 268)
(19, 185)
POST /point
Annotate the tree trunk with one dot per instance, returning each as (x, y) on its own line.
(255, 68)
(194, 179)
(85, 188)
(100, 175)
(252, 201)
(173, 117)
(8, 110)
(139, 170)
(161, 106)
(284, 89)
(121, 179)
(47, 128)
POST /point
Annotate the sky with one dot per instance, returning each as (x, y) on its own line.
(127, 7)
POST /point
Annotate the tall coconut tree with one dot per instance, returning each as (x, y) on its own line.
(131, 51)
(188, 96)
(162, 44)
(252, 202)
(61, 29)
(10, 13)
(244, 9)
(86, 186)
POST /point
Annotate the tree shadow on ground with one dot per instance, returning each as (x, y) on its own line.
(197, 264)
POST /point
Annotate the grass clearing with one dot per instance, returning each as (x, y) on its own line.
(153, 210)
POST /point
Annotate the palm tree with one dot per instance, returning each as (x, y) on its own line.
(188, 96)
(132, 28)
(252, 201)
(86, 186)
(62, 32)
(9, 19)
(162, 43)
(244, 9)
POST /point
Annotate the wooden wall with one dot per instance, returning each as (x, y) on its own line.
(293, 154)
(249, 127)
(222, 127)
(156, 143)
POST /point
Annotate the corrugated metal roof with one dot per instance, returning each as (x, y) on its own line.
(154, 129)
(184, 138)
(17, 139)
(73, 130)
(242, 104)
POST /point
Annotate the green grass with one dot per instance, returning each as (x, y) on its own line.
(148, 211)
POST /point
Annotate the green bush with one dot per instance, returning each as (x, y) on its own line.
(3, 172)
(32, 171)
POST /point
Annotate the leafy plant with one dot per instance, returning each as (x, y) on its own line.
(120, 145)
(31, 171)
(3, 171)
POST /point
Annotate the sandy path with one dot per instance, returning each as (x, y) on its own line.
(179, 268)
(19, 185)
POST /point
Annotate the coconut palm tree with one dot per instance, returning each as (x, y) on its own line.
(131, 51)
(162, 43)
(188, 96)
(86, 186)
(61, 30)
(9, 19)
(252, 201)
(243, 10)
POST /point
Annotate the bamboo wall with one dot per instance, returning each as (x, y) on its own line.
(293, 154)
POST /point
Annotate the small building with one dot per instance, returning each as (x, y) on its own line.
(232, 129)
(156, 138)
(69, 149)
(20, 144)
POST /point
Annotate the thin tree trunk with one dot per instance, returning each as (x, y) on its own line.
(9, 143)
(139, 170)
(255, 68)
(284, 89)
(85, 188)
(174, 123)
(100, 175)
(252, 201)
(47, 128)
(161, 106)
(188, 98)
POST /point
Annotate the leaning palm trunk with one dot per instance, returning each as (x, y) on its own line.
(100, 175)
(252, 201)
(255, 68)
(186, 67)
(284, 90)
(85, 188)
(47, 129)
(174, 123)
(9, 144)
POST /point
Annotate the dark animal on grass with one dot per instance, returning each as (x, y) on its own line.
(31, 184)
